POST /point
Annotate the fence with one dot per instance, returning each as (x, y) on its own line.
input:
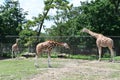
(78, 44)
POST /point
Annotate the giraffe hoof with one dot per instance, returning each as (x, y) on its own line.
(99, 60)
(111, 60)
(50, 66)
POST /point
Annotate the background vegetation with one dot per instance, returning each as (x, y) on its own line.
(102, 16)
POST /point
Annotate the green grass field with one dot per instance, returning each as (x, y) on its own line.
(23, 69)
(16, 69)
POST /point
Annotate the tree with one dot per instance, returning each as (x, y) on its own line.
(49, 4)
(11, 18)
(63, 9)
(41, 18)
(100, 16)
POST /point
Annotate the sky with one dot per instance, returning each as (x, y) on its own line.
(34, 7)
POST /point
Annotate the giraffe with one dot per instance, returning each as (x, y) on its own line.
(101, 41)
(15, 48)
(47, 46)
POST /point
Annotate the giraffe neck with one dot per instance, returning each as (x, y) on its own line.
(16, 43)
(93, 33)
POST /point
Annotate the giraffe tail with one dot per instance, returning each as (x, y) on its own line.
(113, 45)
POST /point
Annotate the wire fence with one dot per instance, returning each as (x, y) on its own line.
(78, 44)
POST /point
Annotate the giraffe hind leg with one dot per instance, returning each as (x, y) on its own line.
(49, 60)
(100, 50)
(112, 55)
(12, 54)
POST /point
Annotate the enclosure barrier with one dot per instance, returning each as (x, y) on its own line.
(85, 45)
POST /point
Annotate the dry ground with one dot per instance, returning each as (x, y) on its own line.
(73, 69)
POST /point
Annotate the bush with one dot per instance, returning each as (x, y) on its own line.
(6, 55)
(106, 55)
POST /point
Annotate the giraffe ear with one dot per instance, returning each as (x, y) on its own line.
(84, 30)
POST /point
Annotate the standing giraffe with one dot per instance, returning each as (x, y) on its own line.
(47, 46)
(101, 41)
(15, 48)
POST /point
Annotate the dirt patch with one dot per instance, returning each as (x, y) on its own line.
(81, 70)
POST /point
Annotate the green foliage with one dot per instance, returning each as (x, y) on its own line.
(11, 18)
(6, 55)
(107, 55)
(27, 37)
(83, 57)
(101, 16)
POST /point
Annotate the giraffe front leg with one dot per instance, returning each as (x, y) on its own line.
(36, 61)
(49, 60)
(12, 54)
(100, 50)
(15, 54)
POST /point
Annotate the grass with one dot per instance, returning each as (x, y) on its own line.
(24, 68)
(16, 69)
(20, 69)
(95, 71)
(83, 57)
(69, 56)
(89, 57)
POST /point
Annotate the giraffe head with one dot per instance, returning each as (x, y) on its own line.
(84, 30)
(17, 40)
(66, 45)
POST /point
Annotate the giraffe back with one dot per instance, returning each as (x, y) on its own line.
(47, 45)
(104, 41)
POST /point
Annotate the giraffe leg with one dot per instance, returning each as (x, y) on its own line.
(15, 54)
(100, 51)
(36, 61)
(12, 54)
(112, 54)
(49, 59)
(18, 53)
